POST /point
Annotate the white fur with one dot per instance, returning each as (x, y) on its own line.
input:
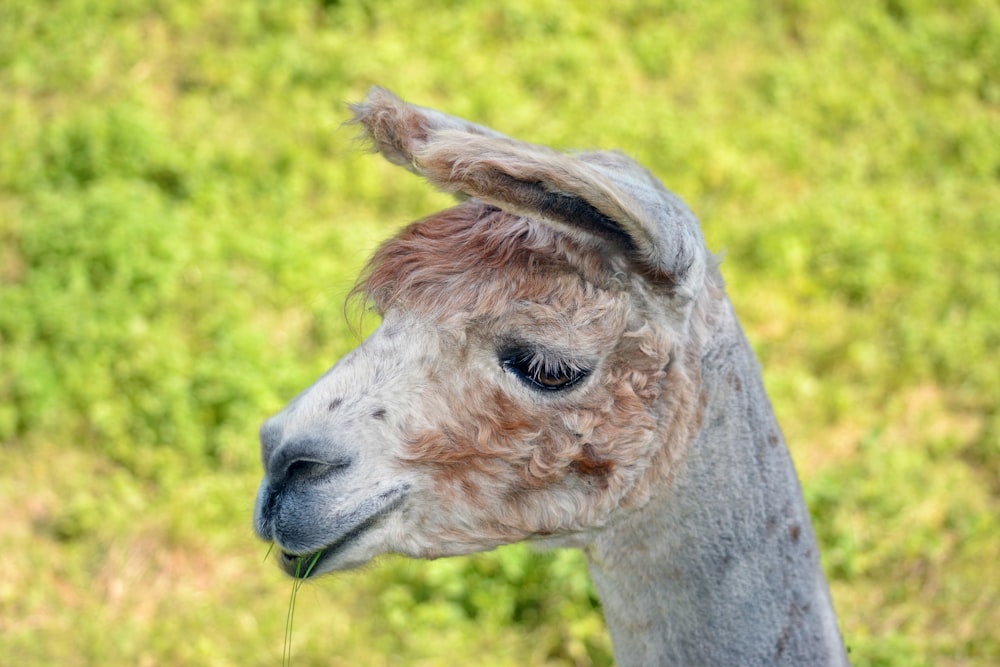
(664, 463)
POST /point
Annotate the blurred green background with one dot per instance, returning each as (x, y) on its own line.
(182, 214)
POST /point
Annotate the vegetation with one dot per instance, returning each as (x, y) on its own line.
(181, 216)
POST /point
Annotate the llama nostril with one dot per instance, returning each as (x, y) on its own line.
(308, 459)
(310, 471)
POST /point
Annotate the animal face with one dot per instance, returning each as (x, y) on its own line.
(530, 378)
(511, 393)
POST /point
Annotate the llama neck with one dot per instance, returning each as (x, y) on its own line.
(723, 568)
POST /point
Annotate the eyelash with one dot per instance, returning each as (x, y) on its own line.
(540, 372)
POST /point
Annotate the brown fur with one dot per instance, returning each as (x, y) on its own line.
(557, 359)
(472, 260)
(480, 265)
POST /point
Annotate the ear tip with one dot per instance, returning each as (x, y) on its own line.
(377, 95)
(378, 103)
(390, 124)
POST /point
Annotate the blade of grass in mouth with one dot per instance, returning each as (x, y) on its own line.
(300, 577)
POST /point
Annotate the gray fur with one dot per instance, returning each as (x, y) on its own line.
(696, 531)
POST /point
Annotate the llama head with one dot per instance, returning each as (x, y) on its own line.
(536, 370)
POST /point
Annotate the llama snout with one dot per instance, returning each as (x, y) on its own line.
(295, 469)
(315, 503)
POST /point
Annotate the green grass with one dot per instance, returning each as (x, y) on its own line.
(182, 215)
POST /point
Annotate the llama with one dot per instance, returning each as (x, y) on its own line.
(558, 362)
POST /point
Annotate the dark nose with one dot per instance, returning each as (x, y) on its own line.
(302, 459)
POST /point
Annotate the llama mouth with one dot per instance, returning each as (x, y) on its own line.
(369, 515)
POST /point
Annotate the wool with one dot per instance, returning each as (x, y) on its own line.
(558, 362)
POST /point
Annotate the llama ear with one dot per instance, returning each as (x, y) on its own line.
(399, 130)
(596, 197)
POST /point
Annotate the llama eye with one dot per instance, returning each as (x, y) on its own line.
(541, 373)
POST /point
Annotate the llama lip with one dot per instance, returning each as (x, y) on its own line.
(300, 567)
(362, 520)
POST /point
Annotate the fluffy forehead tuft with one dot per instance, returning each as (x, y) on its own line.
(475, 259)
